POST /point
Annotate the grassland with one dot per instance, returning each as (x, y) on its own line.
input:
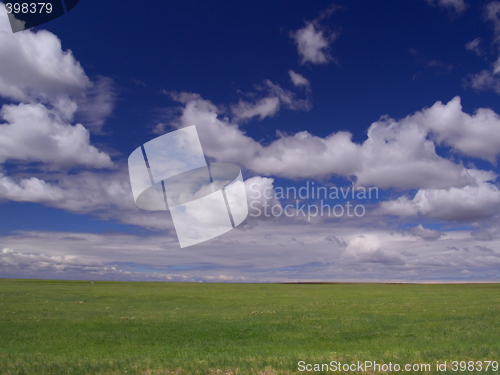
(56, 327)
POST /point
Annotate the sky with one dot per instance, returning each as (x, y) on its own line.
(396, 99)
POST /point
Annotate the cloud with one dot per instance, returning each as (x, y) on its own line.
(425, 233)
(266, 107)
(474, 46)
(488, 79)
(270, 250)
(458, 6)
(396, 154)
(28, 190)
(39, 265)
(32, 132)
(313, 44)
(313, 40)
(269, 106)
(34, 66)
(260, 192)
(491, 14)
(477, 135)
(468, 203)
(367, 249)
(484, 80)
(299, 80)
(35, 69)
(97, 104)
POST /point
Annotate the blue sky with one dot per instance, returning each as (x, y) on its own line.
(398, 96)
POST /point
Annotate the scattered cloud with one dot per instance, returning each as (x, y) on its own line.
(299, 80)
(266, 107)
(475, 46)
(488, 79)
(97, 104)
(457, 6)
(313, 40)
(269, 106)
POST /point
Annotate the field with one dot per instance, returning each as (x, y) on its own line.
(65, 327)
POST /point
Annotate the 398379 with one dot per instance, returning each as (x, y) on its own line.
(29, 8)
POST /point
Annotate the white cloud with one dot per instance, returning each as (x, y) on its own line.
(35, 69)
(477, 135)
(97, 104)
(468, 203)
(306, 156)
(488, 79)
(269, 106)
(368, 249)
(475, 46)
(33, 65)
(299, 80)
(425, 233)
(484, 80)
(28, 190)
(399, 154)
(459, 6)
(266, 107)
(271, 250)
(491, 14)
(34, 133)
(313, 44)
(260, 192)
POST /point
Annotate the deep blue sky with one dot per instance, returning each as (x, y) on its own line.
(216, 48)
(391, 58)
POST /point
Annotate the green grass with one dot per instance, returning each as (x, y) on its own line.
(61, 327)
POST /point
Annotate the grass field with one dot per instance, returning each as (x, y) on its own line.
(61, 327)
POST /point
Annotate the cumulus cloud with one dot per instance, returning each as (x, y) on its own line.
(313, 44)
(34, 66)
(477, 135)
(35, 69)
(260, 192)
(368, 249)
(32, 132)
(458, 6)
(468, 203)
(52, 88)
(314, 39)
(397, 153)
